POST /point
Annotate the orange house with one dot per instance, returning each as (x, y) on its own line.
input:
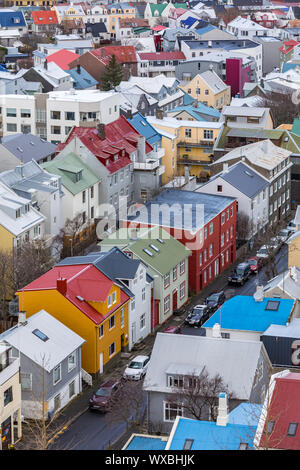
(89, 303)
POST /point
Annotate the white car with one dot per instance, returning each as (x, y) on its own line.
(274, 243)
(263, 252)
(137, 368)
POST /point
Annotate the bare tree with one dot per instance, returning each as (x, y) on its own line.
(199, 394)
(126, 406)
(283, 109)
(243, 226)
(74, 237)
(6, 286)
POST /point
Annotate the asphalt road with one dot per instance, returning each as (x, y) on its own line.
(94, 431)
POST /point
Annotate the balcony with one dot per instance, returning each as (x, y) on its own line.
(9, 369)
(150, 165)
(189, 161)
(207, 143)
(159, 153)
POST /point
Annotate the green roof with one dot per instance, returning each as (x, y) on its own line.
(170, 253)
(180, 5)
(293, 144)
(296, 126)
(68, 167)
(157, 7)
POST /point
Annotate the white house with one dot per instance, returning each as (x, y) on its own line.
(249, 188)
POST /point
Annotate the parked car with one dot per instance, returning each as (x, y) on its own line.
(274, 243)
(198, 315)
(240, 274)
(255, 264)
(263, 252)
(173, 329)
(284, 234)
(292, 226)
(101, 398)
(137, 368)
(214, 300)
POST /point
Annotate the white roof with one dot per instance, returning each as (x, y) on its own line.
(61, 343)
(213, 81)
(9, 199)
(176, 123)
(153, 84)
(244, 111)
(263, 154)
(246, 24)
(235, 360)
(80, 95)
(251, 101)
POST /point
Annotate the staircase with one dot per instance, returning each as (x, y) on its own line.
(87, 378)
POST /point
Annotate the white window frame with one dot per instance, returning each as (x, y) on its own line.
(57, 367)
(73, 364)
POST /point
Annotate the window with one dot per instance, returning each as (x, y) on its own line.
(83, 197)
(270, 427)
(40, 335)
(292, 429)
(101, 331)
(25, 113)
(182, 267)
(210, 250)
(122, 317)
(231, 211)
(188, 444)
(57, 374)
(223, 218)
(175, 273)
(69, 116)
(166, 304)
(188, 132)
(222, 239)
(225, 335)
(71, 361)
(219, 188)
(11, 127)
(171, 410)
(142, 321)
(205, 276)
(11, 112)
(205, 233)
(26, 381)
(211, 228)
(182, 290)
(72, 389)
(208, 134)
(200, 259)
(57, 402)
(272, 305)
(205, 254)
(111, 322)
(166, 280)
(109, 304)
(8, 396)
(112, 349)
(55, 114)
(114, 297)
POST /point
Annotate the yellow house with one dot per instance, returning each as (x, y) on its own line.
(294, 243)
(192, 146)
(88, 302)
(116, 11)
(208, 88)
(69, 12)
(29, 3)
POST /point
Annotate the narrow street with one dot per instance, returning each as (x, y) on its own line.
(93, 431)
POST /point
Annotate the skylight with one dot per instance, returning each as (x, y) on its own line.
(40, 335)
(148, 252)
(160, 240)
(272, 305)
(154, 247)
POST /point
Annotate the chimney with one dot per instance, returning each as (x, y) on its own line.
(159, 114)
(141, 149)
(225, 167)
(259, 294)
(216, 330)
(101, 131)
(78, 69)
(61, 285)
(22, 318)
(222, 418)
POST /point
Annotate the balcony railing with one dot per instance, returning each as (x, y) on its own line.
(207, 143)
(148, 166)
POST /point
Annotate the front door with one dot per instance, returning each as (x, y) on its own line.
(6, 433)
(174, 300)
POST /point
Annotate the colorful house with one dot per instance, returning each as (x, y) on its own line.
(209, 89)
(88, 302)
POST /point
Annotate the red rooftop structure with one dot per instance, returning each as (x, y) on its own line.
(62, 58)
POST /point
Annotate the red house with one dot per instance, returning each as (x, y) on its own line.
(280, 420)
(205, 223)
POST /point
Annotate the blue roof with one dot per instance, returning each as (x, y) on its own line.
(12, 19)
(146, 443)
(83, 79)
(242, 312)
(206, 29)
(207, 435)
(247, 414)
(188, 99)
(198, 112)
(188, 22)
(189, 210)
(144, 128)
(289, 66)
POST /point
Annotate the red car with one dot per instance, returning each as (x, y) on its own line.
(173, 329)
(255, 264)
(101, 398)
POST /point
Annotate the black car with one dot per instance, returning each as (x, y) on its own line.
(214, 300)
(240, 274)
(198, 315)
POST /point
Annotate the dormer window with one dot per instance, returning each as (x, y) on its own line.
(78, 176)
(18, 213)
(115, 157)
(26, 208)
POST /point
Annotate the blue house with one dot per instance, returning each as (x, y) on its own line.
(201, 112)
(248, 317)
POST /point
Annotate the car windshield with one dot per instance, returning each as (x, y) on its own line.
(239, 271)
(263, 251)
(103, 392)
(135, 365)
(253, 262)
(283, 232)
(197, 311)
(213, 298)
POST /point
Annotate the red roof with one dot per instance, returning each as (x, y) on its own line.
(123, 54)
(168, 55)
(120, 136)
(85, 281)
(284, 409)
(62, 58)
(159, 28)
(44, 17)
